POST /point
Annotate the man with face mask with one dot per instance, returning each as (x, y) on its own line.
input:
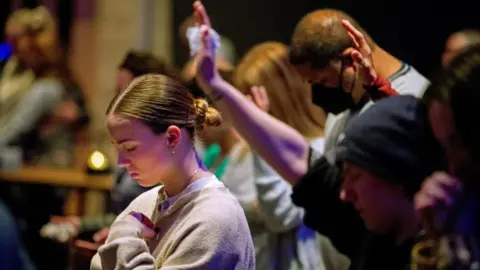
(320, 51)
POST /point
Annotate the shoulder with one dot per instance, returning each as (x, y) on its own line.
(410, 82)
(217, 208)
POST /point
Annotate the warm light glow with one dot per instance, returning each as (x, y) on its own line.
(97, 161)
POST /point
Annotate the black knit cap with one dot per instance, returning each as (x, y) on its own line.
(393, 140)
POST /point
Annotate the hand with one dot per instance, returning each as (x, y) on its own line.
(87, 248)
(361, 54)
(207, 74)
(438, 193)
(101, 236)
(65, 113)
(145, 227)
(260, 98)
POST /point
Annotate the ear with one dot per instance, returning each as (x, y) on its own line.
(173, 136)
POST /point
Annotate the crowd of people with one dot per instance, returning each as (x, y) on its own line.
(327, 153)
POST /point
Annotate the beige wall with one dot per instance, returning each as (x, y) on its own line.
(103, 30)
(99, 43)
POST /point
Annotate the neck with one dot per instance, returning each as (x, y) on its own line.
(228, 142)
(185, 170)
(385, 64)
(409, 225)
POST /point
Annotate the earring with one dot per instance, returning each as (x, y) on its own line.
(173, 151)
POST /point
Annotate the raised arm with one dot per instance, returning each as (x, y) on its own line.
(281, 146)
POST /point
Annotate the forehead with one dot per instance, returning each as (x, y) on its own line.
(121, 128)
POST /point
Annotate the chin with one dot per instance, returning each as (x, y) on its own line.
(145, 182)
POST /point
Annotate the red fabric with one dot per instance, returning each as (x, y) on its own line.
(380, 88)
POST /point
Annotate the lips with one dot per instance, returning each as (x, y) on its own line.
(133, 174)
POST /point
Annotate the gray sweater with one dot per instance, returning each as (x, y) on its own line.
(203, 227)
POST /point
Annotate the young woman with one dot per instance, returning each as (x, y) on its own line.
(191, 221)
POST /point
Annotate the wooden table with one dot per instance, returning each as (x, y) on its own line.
(80, 181)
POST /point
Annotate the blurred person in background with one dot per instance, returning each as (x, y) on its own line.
(40, 108)
(457, 42)
(449, 200)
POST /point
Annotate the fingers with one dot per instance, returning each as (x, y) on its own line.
(356, 35)
(101, 236)
(358, 58)
(352, 37)
(439, 190)
(260, 97)
(89, 246)
(200, 14)
(206, 42)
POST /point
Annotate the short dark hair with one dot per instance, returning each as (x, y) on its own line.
(320, 37)
(459, 86)
(141, 63)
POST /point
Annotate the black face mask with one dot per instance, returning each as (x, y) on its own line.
(333, 99)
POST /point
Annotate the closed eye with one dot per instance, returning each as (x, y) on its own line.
(130, 149)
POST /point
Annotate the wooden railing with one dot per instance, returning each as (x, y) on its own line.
(87, 191)
(73, 178)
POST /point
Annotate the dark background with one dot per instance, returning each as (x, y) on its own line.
(414, 31)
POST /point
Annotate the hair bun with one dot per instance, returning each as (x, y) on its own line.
(206, 115)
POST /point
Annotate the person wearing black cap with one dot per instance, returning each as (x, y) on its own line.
(386, 153)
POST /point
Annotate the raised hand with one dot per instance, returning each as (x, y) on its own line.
(361, 54)
(207, 74)
(437, 195)
(260, 98)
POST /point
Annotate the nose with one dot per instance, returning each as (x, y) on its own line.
(122, 161)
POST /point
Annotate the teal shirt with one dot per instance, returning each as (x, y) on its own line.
(212, 153)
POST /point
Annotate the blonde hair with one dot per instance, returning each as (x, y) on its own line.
(159, 102)
(290, 97)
